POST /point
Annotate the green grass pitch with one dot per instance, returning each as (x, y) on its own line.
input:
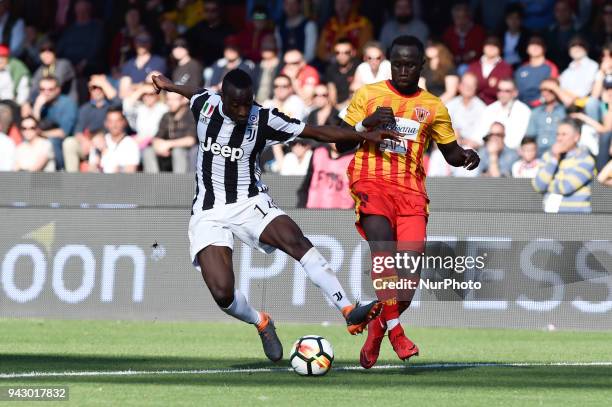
(97, 346)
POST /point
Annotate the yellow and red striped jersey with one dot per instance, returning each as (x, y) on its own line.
(419, 117)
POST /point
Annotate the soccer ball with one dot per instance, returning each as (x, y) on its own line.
(311, 355)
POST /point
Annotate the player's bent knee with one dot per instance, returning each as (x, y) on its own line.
(223, 296)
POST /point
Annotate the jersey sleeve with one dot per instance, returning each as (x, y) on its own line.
(277, 127)
(442, 128)
(357, 109)
(197, 101)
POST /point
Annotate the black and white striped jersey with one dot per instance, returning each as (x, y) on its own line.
(227, 168)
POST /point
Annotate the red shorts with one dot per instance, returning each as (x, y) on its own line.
(406, 211)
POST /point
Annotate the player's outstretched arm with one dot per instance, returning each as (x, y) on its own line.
(335, 134)
(160, 82)
(457, 156)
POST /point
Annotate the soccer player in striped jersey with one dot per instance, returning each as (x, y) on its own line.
(230, 199)
(388, 180)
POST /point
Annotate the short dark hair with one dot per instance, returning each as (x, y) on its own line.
(50, 78)
(237, 78)
(343, 40)
(115, 109)
(571, 122)
(408, 41)
(528, 140)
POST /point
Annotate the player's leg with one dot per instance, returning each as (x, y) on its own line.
(217, 270)
(410, 231)
(378, 231)
(283, 233)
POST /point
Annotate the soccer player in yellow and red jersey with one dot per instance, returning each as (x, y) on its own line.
(388, 180)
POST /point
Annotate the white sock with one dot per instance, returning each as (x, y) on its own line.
(392, 323)
(242, 310)
(321, 274)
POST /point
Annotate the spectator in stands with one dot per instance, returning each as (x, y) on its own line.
(527, 166)
(168, 33)
(249, 38)
(538, 14)
(374, 68)
(232, 59)
(579, 76)
(346, 23)
(490, 13)
(267, 70)
(490, 69)
(509, 111)
(326, 183)
(57, 115)
(102, 95)
(340, 73)
(566, 174)
(601, 126)
(136, 70)
(558, 35)
(143, 110)
(404, 22)
(14, 78)
(529, 76)
(285, 99)
(83, 41)
(7, 153)
(295, 31)
(546, 117)
(189, 13)
(466, 110)
(496, 158)
(122, 46)
(174, 139)
(303, 77)
(439, 75)
(115, 151)
(9, 112)
(514, 37)
(61, 68)
(12, 29)
(464, 38)
(287, 102)
(605, 69)
(324, 112)
(187, 71)
(36, 152)
(296, 161)
(605, 175)
(603, 29)
(207, 38)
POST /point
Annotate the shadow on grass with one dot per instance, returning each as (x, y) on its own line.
(562, 377)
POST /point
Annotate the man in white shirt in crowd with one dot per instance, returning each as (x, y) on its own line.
(509, 111)
(7, 153)
(466, 111)
(114, 152)
(579, 76)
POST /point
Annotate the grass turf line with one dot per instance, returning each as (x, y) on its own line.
(57, 346)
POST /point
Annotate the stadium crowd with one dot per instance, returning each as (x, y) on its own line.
(76, 91)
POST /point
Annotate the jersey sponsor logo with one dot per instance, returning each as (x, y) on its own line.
(421, 114)
(233, 153)
(409, 130)
(206, 112)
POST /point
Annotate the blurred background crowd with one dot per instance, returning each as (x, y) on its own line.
(517, 76)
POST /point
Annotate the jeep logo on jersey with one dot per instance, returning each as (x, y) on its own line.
(232, 153)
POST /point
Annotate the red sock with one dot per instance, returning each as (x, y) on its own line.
(390, 310)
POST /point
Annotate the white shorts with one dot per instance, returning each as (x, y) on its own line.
(245, 219)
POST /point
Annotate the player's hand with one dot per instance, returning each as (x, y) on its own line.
(382, 117)
(378, 136)
(470, 159)
(160, 82)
